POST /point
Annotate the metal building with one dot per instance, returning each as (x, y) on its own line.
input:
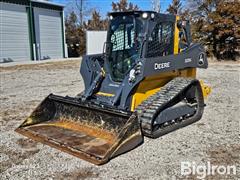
(31, 30)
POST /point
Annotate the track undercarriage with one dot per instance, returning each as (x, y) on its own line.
(178, 104)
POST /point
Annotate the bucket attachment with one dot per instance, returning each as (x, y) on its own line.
(84, 130)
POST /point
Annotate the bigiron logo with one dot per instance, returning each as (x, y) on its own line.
(161, 65)
(201, 171)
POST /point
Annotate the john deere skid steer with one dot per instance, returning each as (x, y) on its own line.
(144, 84)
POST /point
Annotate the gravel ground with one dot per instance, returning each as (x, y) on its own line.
(215, 138)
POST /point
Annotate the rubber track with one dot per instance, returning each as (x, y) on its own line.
(150, 108)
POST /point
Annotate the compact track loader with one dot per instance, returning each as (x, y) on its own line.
(144, 84)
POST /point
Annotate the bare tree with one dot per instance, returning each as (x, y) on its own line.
(123, 5)
(156, 5)
(175, 7)
(96, 23)
(79, 5)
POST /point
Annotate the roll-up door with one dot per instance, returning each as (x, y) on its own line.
(14, 33)
(48, 29)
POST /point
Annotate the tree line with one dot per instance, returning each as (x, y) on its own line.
(215, 23)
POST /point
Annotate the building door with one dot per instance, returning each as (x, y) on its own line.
(49, 35)
(14, 33)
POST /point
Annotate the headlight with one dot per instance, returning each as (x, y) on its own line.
(111, 17)
(152, 15)
(145, 15)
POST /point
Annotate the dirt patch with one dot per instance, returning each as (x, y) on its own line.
(26, 143)
(18, 113)
(14, 157)
(223, 155)
(200, 124)
(6, 116)
(44, 66)
(77, 174)
(3, 98)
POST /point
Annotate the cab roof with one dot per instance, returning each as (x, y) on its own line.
(170, 17)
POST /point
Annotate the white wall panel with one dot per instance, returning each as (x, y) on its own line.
(95, 41)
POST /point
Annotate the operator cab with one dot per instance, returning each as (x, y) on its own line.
(136, 34)
(125, 37)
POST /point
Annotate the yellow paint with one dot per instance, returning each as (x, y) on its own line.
(205, 89)
(139, 97)
(87, 129)
(190, 72)
(176, 36)
(152, 84)
(103, 72)
(105, 94)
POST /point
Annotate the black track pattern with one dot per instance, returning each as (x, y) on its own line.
(167, 96)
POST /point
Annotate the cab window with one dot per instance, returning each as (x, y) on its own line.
(160, 42)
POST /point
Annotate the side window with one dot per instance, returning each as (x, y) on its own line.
(166, 33)
(160, 42)
(182, 40)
